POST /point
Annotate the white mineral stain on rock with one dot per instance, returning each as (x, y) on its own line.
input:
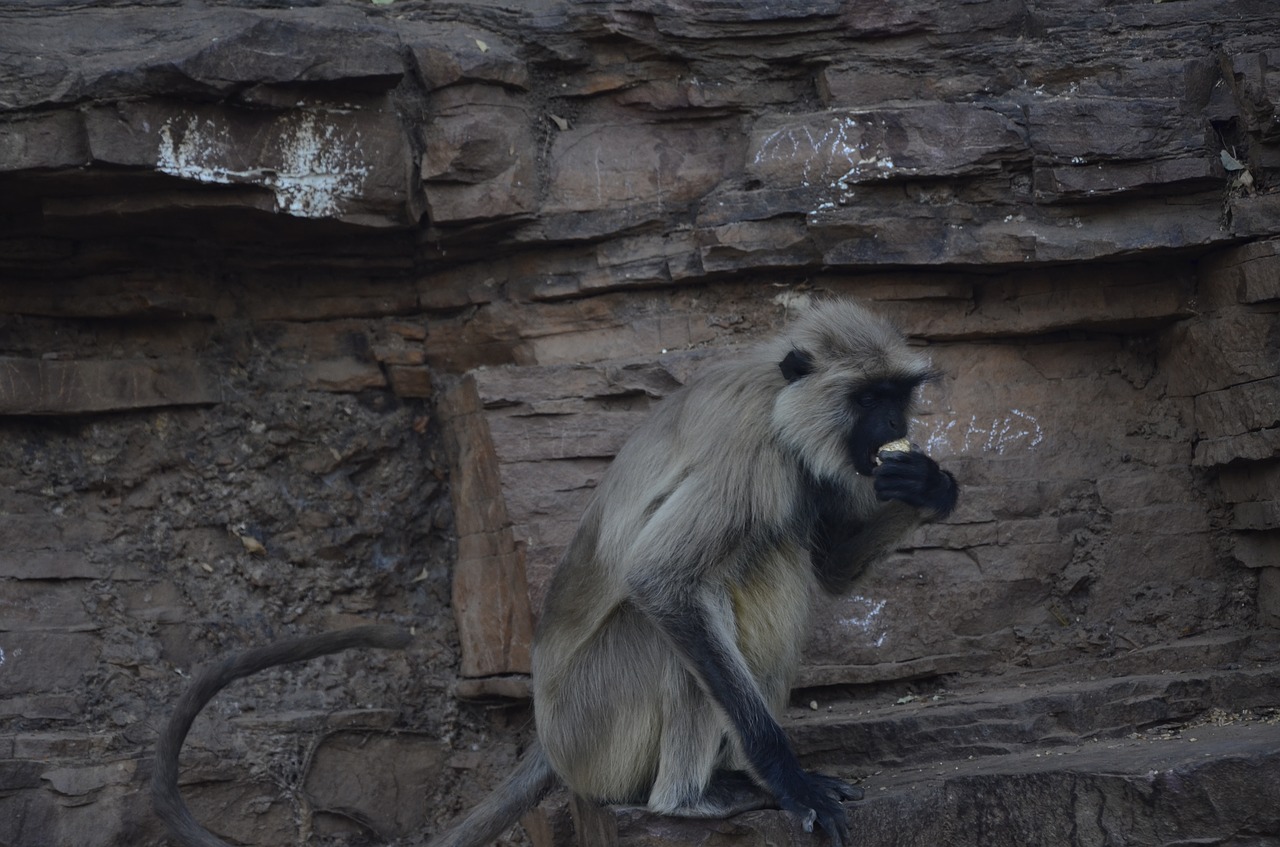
(835, 157)
(317, 171)
(865, 622)
(195, 153)
(309, 166)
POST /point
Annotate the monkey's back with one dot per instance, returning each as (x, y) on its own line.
(702, 484)
(682, 461)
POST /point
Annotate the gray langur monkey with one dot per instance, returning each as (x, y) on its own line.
(673, 625)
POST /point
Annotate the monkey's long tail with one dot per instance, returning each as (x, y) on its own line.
(165, 797)
(495, 814)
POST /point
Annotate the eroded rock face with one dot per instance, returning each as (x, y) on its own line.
(334, 311)
(1006, 124)
(1073, 452)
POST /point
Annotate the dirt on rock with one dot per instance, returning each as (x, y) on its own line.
(140, 545)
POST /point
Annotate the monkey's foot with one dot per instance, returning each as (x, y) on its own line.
(819, 805)
(730, 793)
(733, 792)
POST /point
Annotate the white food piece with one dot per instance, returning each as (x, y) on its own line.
(902, 445)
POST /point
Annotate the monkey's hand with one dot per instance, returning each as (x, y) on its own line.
(818, 802)
(915, 479)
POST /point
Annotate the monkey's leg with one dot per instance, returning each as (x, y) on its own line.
(692, 779)
(729, 793)
(689, 749)
(734, 792)
(599, 709)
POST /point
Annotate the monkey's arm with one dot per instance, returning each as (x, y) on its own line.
(912, 489)
(843, 546)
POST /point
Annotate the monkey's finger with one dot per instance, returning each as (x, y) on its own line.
(897, 486)
(837, 788)
(913, 464)
(807, 820)
(891, 459)
(904, 491)
(902, 473)
(837, 829)
(850, 792)
(904, 477)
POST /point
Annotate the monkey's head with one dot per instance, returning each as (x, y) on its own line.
(850, 385)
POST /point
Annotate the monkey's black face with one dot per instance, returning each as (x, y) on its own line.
(880, 412)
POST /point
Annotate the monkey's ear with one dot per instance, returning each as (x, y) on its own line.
(797, 364)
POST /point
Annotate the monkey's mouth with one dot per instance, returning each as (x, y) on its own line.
(865, 464)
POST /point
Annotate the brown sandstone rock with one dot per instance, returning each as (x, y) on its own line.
(489, 594)
(243, 246)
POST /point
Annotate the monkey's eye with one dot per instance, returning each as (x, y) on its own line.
(865, 399)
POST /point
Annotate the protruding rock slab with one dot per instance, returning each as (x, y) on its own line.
(53, 387)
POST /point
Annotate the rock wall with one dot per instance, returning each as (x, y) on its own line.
(331, 311)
